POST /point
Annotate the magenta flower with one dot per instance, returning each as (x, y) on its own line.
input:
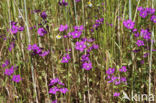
(117, 82)
(55, 101)
(145, 34)
(116, 94)
(16, 78)
(76, 34)
(5, 64)
(14, 29)
(85, 57)
(123, 79)
(123, 69)
(21, 28)
(79, 28)
(53, 90)
(13, 23)
(9, 71)
(137, 34)
(44, 15)
(45, 53)
(63, 90)
(95, 46)
(87, 66)
(63, 3)
(129, 24)
(153, 18)
(143, 13)
(110, 71)
(41, 31)
(66, 58)
(150, 10)
(63, 28)
(140, 43)
(80, 46)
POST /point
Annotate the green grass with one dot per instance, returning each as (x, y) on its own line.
(115, 42)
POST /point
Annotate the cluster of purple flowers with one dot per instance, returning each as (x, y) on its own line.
(41, 31)
(74, 34)
(80, 45)
(37, 50)
(56, 83)
(14, 28)
(98, 23)
(144, 12)
(10, 71)
(116, 80)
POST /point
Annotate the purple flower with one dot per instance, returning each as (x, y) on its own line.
(117, 82)
(116, 94)
(16, 78)
(143, 13)
(153, 18)
(85, 57)
(63, 90)
(79, 28)
(14, 29)
(5, 64)
(129, 24)
(140, 43)
(145, 34)
(110, 71)
(113, 78)
(137, 34)
(123, 79)
(76, 34)
(44, 15)
(80, 46)
(140, 8)
(13, 23)
(53, 81)
(63, 28)
(145, 55)
(134, 30)
(123, 69)
(150, 10)
(55, 101)
(21, 28)
(41, 31)
(90, 40)
(9, 71)
(66, 58)
(95, 46)
(53, 90)
(63, 3)
(87, 66)
(44, 53)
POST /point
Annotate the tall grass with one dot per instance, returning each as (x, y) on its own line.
(116, 44)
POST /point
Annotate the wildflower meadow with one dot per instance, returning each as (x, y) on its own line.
(77, 51)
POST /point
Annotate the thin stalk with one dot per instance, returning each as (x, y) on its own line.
(75, 12)
(29, 41)
(150, 58)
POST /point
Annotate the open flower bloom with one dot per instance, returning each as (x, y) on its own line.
(16, 78)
